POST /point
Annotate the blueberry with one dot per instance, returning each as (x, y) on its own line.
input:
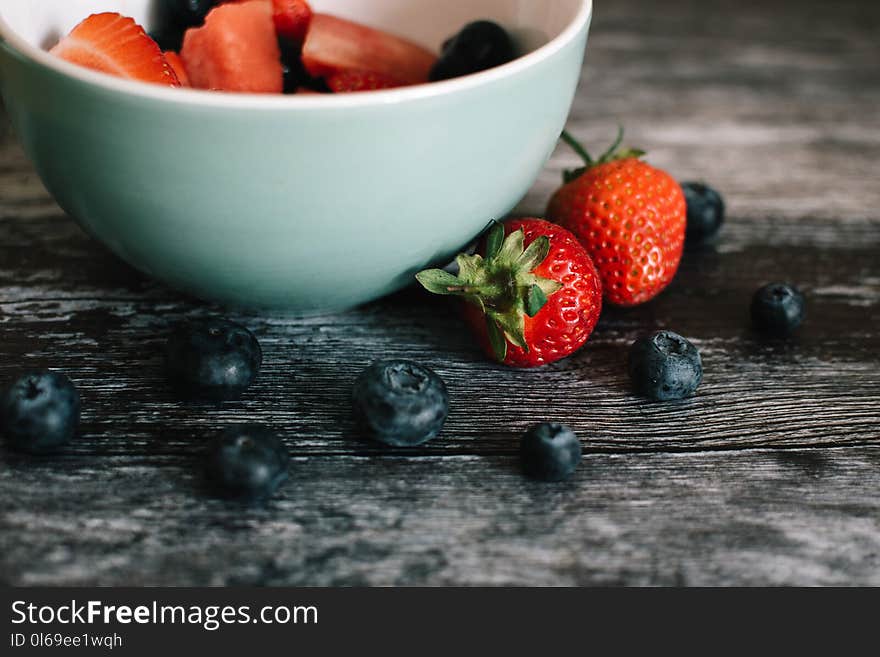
(175, 17)
(167, 38)
(400, 403)
(664, 366)
(778, 309)
(705, 212)
(246, 462)
(479, 46)
(550, 452)
(39, 412)
(184, 13)
(212, 359)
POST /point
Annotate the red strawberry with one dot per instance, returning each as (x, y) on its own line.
(345, 81)
(629, 216)
(334, 44)
(235, 50)
(175, 62)
(114, 44)
(292, 19)
(535, 296)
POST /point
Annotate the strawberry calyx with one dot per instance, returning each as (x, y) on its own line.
(502, 285)
(613, 154)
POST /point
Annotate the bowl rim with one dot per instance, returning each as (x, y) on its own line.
(214, 99)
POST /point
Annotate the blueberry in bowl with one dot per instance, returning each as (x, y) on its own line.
(247, 462)
(174, 17)
(212, 359)
(400, 403)
(664, 366)
(550, 452)
(39, 412)
(479, 46)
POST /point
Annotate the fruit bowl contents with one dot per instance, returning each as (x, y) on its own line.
(273, 47)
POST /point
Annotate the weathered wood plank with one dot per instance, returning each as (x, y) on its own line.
(774, 103)
(750, 518)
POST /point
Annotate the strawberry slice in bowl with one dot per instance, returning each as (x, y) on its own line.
(177, 64)
(117, 45)
(334, 44)
(353, 80)
(292, 19)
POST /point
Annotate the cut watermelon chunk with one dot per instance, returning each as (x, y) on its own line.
(235, 50)
(335, 44)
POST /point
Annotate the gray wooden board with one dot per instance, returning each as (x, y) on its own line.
(768, 476)
(745, 517)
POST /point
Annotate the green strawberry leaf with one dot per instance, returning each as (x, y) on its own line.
(494, 240)
(535, 301)
(534, 255)
(496, 339)
(438, 281)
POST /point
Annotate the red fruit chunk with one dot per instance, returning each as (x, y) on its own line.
(334, 44)
(175, 62)
(292, 19)
(631, 218)
(348, 81)
(235, 50)
(115, 44)
(532, 295)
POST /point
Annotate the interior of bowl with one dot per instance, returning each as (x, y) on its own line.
(534, 23)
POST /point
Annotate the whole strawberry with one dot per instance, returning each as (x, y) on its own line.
(629, 216)
(532, 297)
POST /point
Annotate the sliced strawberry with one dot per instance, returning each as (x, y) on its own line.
(175, 62)
(235, 50)
(115, 44)
(346, 81)
(334, 44)
(292, 19)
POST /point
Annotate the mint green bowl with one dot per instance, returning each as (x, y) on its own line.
(308, 203)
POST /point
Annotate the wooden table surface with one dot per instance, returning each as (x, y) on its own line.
(769, 476)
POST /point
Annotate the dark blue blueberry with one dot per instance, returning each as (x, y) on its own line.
(478, 47)
(665, 366)
(246, 462)
(167, 39)
(184, 13)
(174, 17)
(705, 212)
(39, 412)
(778, 309)
(295, 75)
(550, 452)
(400, 403)
(212, 359)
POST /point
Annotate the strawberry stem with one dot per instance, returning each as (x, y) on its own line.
(577, 147)
(608, 155)
(611, 155)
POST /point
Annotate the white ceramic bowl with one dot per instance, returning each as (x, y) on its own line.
(302, 203)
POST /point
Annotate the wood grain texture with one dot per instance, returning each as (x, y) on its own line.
(756, 517)
(768, 476)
